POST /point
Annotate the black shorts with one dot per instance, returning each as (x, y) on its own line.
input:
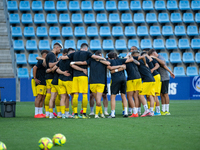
(165, 86)
(119, 86)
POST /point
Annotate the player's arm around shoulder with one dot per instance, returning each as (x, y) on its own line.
(131, 59)
(105, 62)
(123, 67)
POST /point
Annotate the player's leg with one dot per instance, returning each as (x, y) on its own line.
(54, 93)
(48, 96)
(112, 102)
(164, 96)
(105, 103)
(41, 105)
(91, 104)
(123, 96)
(157, 113)
(137, 90)
(129, 90)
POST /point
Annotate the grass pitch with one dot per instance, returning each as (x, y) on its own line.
(181, 130)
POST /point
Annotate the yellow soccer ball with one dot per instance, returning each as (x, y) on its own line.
(45, 143)
(2, 146)
(59, 139)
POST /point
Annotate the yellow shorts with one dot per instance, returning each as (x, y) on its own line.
(97, 88)
(138, 84)
(38, 89)
(33, 85)
(148, 88)
(130, 86)
(158, 84)
(48, 83)
(65, 86)
(80, 84)
(55, 88)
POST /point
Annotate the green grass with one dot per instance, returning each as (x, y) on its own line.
(181, 130)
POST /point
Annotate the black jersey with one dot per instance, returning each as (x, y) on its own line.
(64, 65)
(132, 71)
(151, 65)
(50, 58)
(41, 71)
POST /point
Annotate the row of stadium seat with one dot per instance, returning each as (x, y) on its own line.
(105, 31)
(101, 18)
(174, 58)
(178, 71)
(99, 5)
(158, 44)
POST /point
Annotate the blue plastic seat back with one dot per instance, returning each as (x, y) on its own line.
(142, 31)
(195, 5)
(122, 55)
(24, 6)
(74, 6)
(171, 44)
(179, 71)
(179, 31)
(163, 18)
(117, 31)
(114, 18)
(44, 45)
(54, 32)
(39, 19)
(12, 5)
(22, 73)
(160, 5)
(95, 45)
(183, 44)
(16, 32)
(81, 42)
(120, 45)
(158, 44)
(175, 58)
(41, 32)
(164, 55)
(192, 71)
(61, 6)
(172, 5)
(49, 6)
(167, 31)
(67, 32)
(77, 19)
(52, 19)
(135, 5)
(197, 17)
(31, 45)
(27, 19)
(70, 44)
(86, 6)
(14, 19)
(37, 6)
(111, 5)
(29, 32)
(151, 18)
(108, 45)
(21, 59)
(64, 19)
(79, 31)
(98, 6)
(188, 57)
(197, 57)
(105, 31)
(130, 31)
(147, 5)
(92, 31)
(133, 43)
(18, 45)
(32, 59)
(89, 18)
(192, 31)
(195, 43)
(138, 18)
(155, 31)
(176, 18)
(126, 18)
(184, 5)
(101, 18)
(123, 5)
(188, 18)
(146, 43)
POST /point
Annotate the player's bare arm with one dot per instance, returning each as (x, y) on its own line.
(161, 62)
(34, 75)
(78, 63)
(44, 61)
(171, 73)
(114, 67)
(97, 57)
(79, 68)
(123, 67)
(105, 62)
(155, 67)
(131, 59)
(64, 57)
(65, 73)
(51, 69)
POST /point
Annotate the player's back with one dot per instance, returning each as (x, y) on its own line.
(132, 71)
(64, 65)
(50, 58)
(151, 66)
(41, 71)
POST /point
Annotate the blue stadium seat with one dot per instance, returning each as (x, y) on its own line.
(32, 59)
(114, 18)
(192, 71)
(135, 5)
(77, 18)
(145, 43)
(179, 71)
(24, 6)
(67, 32)
(49, 6)
(98, 6)
(163, 18)
(120, 45)
(44, 45)
(117, 31)
(111, 5)
(21, 59)
(197, 57)
(130, 31)
(165, 56)
(81, 42)
(151, 18)
(155, 31)
(59, 55)
(41, 32)
(122, 55)
(61, 6)
(12, 6)
(184, 5)
(172, 5)
(195, 44)
(101, 18)
(64, 19)
(126, 18)
(22, 73)
(37, 6)
(79, 31)
(92, 31)
(167, 31)
(18, 45)
(55, 41)
(192, 31)
(138, 18)
(14, 19)
(147, 5)
(70, 43)
(31, 73)
(142, 31)
(31, 45)
(179, 31)
(16, 32)
(108, 45)
(160, 5)
(39, 19)
(29, 32)
(188, 57)
(74, 6)
(171, 44)
(123, 5)
(27, 19)
(89, 18)
(175, 58)
(54, 32)
(133, 43)
(195, 5)
(158, 44)
(188, 18)
(197, 17)
(52, 19)
(176, 18)
(105, 31)
(86, 6)
(95, 45)
(183, 44)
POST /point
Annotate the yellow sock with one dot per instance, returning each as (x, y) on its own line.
(97, 110)
(100, 110)
(51, 110)
(75, 103)
(67, 109)
(84, 103)
(46, 108)
(148, 103)
(72, 108)
(122, 106)
(154, 106)
(62, 109)
(46, 101)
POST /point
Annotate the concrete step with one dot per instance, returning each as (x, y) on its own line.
(3, 29)
(2, 16)
(1, 4)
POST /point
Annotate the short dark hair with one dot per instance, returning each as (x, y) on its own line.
(97, 53)
(84, 45)
(151, 51)
(112, 55)
(135, 51)
(143, 53)
(134, 47)
(44, 51)
(57, 44)
(146, 49)
(65, 51)
(70, 49)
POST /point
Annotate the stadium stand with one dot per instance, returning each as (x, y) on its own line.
(74, 6)
(179, 31)
(188, 18)
(21, 59)
(32, 59)
(151, 18)
(22, 73)
(197, 57)
(52, 19)
(120, 45)
(160, 5)
(117, 31)
(39, 19)
(192, 71)
(176, 18)
(147, 5)
(18, 45)
(135, 6)
(81, 42)
(95, 45)
(163, 18)
(133, 42)
(61, 6)
(167, 31)
(192, 31)
(92, 31)
(31, 73)
(70, 43)
(54, 32)
(172, 5)
(64, 19)
(105, 31)
(49, 6)
(122, 55)
(108, 45)
(101, 19)
(184, 5)
(31, 45)
(188, 57)
(14, 19)
(195, 5)
(16, 32)
(79, 32)
(175, 58)
(29, 32)
(195, 44)
(171, 44)
(158, 44)
(41, 32)
(44, 45)
(37, 6)
(138, 18)
(126, 18)
(183, 44)
(24, 6)
(111, 6)
(98, 6)
(114, 18)
(146, 43)
(12, 6)
(89, 19)
(67, 32)
(123, 5)
(130, 31)
(27, 19)
(86, 6)
(179, 71)
(77, 19)
(142, 31)
(155, 31)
